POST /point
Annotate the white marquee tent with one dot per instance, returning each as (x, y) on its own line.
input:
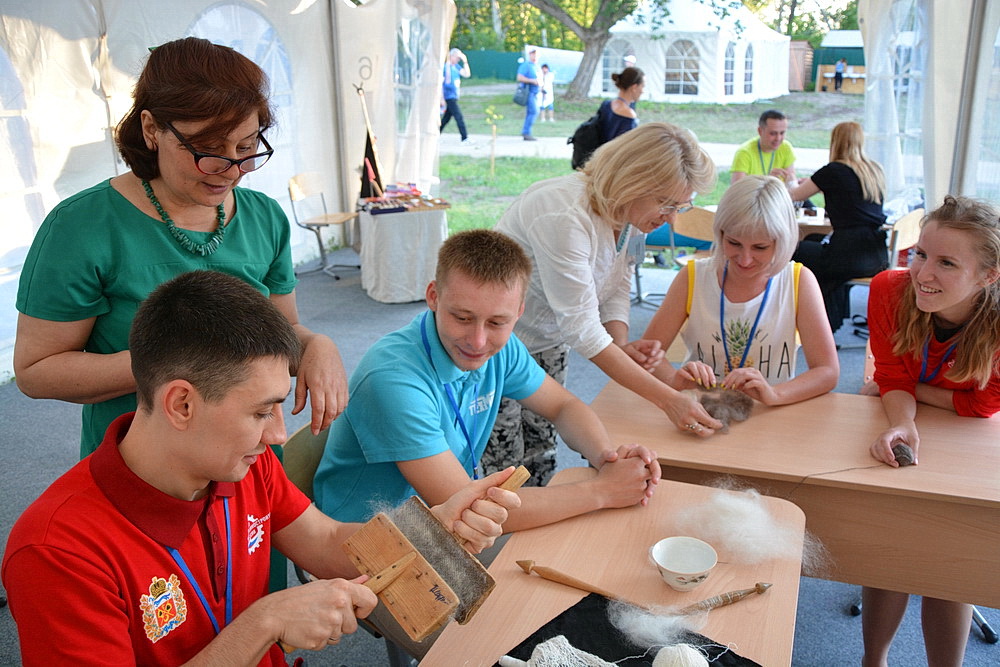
(68, 67)
(692, 55)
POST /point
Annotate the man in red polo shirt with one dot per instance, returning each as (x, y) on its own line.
(154, 549)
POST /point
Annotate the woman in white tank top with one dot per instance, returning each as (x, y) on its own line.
(742, 311)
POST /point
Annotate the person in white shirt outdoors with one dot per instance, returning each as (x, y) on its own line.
(548, 95)
(456, 68)
(576, 231)
(742, 311)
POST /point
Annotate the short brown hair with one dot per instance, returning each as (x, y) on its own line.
(485, 256)
(207, 328)
(192, 79)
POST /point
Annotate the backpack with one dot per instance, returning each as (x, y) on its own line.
(586, 139)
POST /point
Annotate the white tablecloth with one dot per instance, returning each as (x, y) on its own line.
(399, 253)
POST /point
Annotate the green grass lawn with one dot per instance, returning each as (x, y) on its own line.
(478, 200)
(811, 115)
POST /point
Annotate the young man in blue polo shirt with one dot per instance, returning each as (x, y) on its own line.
(424, 399)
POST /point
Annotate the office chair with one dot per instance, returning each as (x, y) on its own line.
(903, 234)
(302, 455)
(310, 213)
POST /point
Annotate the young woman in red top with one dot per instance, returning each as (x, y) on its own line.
(935, 335)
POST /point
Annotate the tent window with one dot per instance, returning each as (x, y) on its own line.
(412, 45)
(730, 68)
(748, 70)
(986, 151)
(613, 60)
(681, 69)
(21, 201)
(248, 32)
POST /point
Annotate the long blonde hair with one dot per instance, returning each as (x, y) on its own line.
(976, 357)
(847, 146)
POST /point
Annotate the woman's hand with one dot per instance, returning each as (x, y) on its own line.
(752, 383)
(694, 374)
(689, 415)
(905, 433)
(647, 353)
(322, 378)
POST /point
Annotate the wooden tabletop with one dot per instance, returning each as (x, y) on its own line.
(823, 441)
(609, 548)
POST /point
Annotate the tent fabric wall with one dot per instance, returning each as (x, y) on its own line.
(927, 146)
(649, 36)
(69, 66)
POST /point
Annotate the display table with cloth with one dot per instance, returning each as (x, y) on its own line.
(399, 252)
(929, 529)
(609, 548)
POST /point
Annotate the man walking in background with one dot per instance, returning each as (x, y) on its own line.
(456, 68)
(527, 74)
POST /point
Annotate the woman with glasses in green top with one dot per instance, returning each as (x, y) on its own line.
(196, 127)
(576, 230)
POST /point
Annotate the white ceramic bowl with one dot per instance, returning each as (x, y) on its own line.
(683, 562)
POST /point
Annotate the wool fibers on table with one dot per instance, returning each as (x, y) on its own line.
(742, 530)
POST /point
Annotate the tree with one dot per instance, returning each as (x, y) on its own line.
(596, 34)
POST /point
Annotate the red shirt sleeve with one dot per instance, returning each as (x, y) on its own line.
(891, 372)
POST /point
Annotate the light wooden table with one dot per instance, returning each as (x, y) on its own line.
(609, 548)
(932, 529)
(813, 224)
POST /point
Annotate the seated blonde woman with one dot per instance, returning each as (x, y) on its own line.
(742, 311)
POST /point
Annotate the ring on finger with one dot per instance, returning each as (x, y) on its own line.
(692, 427)
(334, 640)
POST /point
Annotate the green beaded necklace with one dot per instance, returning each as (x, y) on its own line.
(203, 249)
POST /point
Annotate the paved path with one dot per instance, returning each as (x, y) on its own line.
(807, 160)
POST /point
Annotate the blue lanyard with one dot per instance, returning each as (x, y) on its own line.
(722, 319)
(623, 237)
(760, 154)
(454, 402)
(229, 576)
(937, 369)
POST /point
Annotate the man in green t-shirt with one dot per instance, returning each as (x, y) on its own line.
(767, 153)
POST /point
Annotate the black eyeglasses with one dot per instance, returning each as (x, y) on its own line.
(210, 164)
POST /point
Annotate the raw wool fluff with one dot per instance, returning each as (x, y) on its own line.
(556, 652)
(726, 405)
(655, 628)
(739, 526)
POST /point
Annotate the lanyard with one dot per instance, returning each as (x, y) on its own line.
(760, 154)
(229, 576)
(623, 237)
(722, 319)
(454, 402)
(924, 377)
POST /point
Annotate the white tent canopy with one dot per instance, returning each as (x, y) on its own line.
(932, 102)
(693, 55)
(68, 67)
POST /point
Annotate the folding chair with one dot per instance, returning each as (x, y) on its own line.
(310, 213)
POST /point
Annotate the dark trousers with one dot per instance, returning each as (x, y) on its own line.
(452, 111)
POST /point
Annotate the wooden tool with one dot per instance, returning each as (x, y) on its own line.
(424, 598)
(724, 599)
(377, 583)
(562, 578)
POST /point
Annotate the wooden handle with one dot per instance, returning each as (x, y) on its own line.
(516, 479)
(562, 578)
(376, 584)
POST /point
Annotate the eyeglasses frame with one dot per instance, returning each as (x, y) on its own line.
(238, 163)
